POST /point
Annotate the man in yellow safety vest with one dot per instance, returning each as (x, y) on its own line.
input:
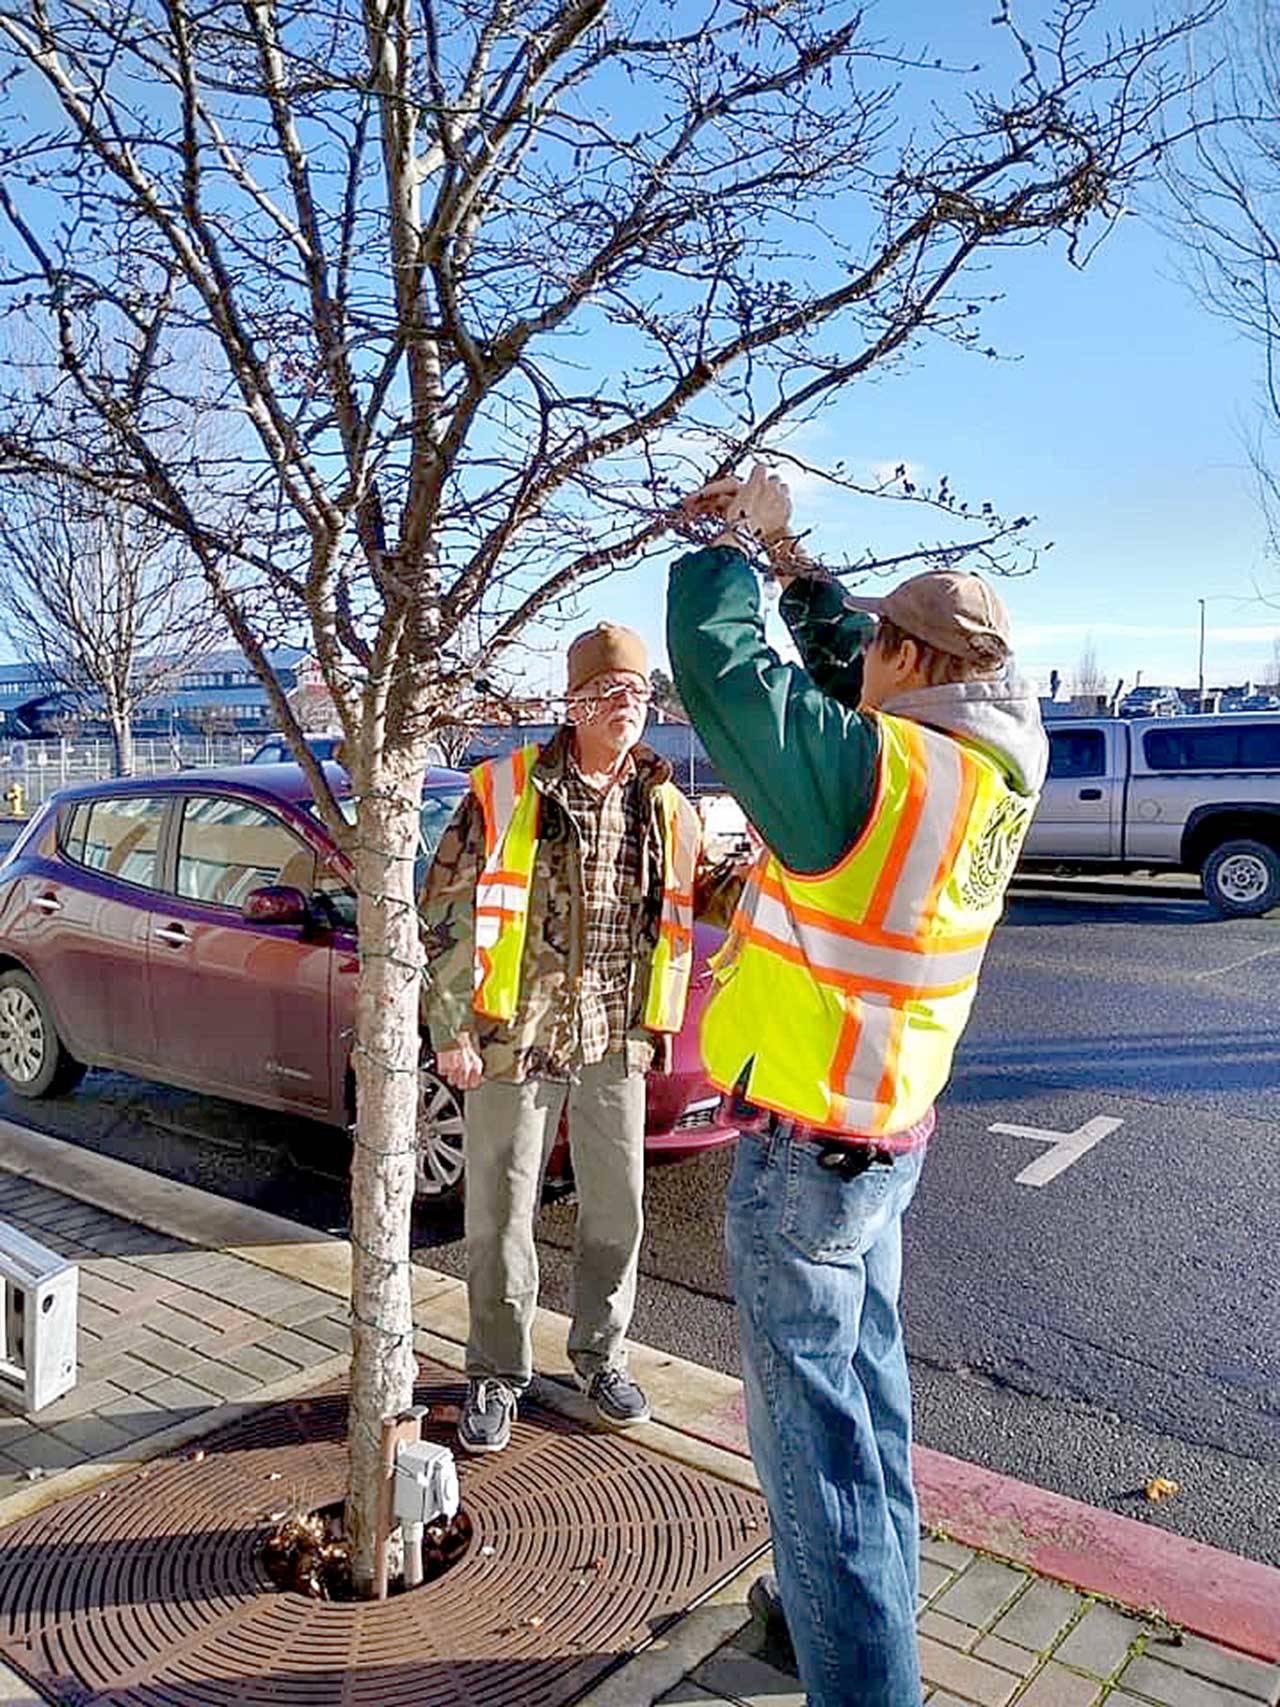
(891, 778)
(558, 919)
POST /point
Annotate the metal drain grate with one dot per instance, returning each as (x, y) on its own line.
(148, 1592)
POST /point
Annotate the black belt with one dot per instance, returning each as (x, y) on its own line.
(848, 1157)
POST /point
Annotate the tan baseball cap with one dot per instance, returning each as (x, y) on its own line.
(606, 647)
(959, 614)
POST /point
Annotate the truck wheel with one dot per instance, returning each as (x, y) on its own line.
(1242, 878)
(33, 1061)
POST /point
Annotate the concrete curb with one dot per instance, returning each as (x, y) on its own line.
(697, 1412)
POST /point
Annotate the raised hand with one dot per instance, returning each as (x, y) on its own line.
(759, 507)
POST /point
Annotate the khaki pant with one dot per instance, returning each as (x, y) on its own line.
(510, 1132)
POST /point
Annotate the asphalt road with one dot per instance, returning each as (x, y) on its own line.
(1117, 1322)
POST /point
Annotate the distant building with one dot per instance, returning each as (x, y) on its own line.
(219, 693)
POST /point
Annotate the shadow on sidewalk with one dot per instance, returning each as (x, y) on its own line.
(336, 1679)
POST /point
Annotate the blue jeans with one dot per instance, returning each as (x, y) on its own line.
(816, 1264)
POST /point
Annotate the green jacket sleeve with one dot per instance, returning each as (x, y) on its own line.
(828, 635)
(801, 763)
(447, 907)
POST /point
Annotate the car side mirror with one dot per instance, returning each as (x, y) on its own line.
(277, 904)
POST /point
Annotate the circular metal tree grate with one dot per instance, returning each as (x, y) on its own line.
(149, 1592)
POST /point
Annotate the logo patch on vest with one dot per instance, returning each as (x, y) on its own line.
(995, 853)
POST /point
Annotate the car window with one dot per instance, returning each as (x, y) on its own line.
(1077, 752)
(72, 821)
(1251, 747)
(438, 808)
(119, 836)
(228, 848)
(336, 897)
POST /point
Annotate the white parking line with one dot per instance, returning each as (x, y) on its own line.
(1235, 965)
(1066, 1147)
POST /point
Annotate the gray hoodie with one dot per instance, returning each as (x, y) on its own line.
(1000, 715)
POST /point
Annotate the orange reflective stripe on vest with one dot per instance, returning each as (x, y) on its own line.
(841, 996)
(509, 801)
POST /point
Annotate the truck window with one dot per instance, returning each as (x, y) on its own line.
(1242, 747)
(1260, 746)
(1077, 752)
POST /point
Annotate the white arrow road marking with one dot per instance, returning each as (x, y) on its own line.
(1067, 1147)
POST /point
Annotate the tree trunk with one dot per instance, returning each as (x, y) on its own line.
(385, 1056)
(122, 742)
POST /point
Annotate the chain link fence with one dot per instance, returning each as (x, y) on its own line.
(41, 767)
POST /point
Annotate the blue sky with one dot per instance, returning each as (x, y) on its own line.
(1118, 418)
(1120, 421)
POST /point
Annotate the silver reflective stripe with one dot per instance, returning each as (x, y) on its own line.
(944, 789)
(846, 959)
(501, 892)
(865, 1071)
(488, 930)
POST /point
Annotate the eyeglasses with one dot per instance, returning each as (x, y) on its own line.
(612, 692)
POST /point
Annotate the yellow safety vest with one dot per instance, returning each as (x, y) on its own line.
(510, 805)
(841, 997)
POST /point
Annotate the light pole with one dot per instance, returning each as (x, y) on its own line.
(1200, 694)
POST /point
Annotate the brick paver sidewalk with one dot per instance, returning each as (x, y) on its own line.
(167, 1332)
(170, 1331)
(992, 1635)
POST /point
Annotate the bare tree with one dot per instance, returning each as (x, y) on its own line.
(472, 290)
(1089, 680)
(453, 740)
(1224, 192)
(105, 596)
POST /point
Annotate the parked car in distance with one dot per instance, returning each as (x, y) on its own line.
(724, 827)
(1142, 795)
(1151, 702)
(1261, 702)
(200, 930)
(275, 750)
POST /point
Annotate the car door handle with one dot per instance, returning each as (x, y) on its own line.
(47, 903)
(174, 935)
(1091, 794)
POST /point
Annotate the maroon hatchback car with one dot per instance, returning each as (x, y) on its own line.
(199, 929)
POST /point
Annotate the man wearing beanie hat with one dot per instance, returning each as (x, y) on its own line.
(558, 924)
(891, 777)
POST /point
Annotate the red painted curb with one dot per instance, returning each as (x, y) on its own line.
(1214, 1594)
(1211, 1593)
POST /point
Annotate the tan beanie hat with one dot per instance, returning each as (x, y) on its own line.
(607, 647)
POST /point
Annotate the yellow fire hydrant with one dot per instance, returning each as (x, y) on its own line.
(15, 798)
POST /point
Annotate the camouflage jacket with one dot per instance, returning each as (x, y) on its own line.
(542, 1041)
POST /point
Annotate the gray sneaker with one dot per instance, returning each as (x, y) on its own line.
(617, 1399)
(488, 1412)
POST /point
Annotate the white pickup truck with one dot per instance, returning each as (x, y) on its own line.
(1195, 794)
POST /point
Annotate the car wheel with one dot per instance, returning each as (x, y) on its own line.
(1242, 878)
(440, 1168)
(33, 1059)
